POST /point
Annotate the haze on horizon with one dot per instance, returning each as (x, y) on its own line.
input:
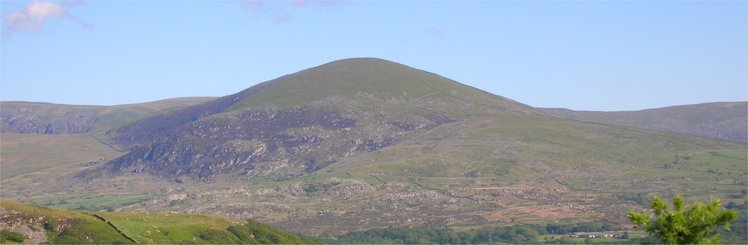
(578, 55)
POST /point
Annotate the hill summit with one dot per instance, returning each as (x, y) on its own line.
(360, 77)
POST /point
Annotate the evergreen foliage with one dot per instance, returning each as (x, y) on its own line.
(693, 225)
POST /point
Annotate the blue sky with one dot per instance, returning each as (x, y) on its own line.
(584, 55)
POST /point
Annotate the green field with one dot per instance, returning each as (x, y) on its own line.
(167, 228)
(91, 203)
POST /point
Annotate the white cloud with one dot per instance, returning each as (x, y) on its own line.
(33, 17)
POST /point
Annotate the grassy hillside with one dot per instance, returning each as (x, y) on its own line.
(40, 224)
(26, 153)
(725, 120)
(31, 160)
(180, 228)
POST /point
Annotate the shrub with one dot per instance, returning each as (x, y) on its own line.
(50, 225)
(6, 235)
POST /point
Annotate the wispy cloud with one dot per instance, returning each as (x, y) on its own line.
(325, 3)
(300, 2)
(280, 19)
(328, 3)
(277, 10)
(253, 5)
(435, 33)
(33, 17)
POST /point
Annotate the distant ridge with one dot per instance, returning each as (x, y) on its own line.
(48, 118)
(719, 120)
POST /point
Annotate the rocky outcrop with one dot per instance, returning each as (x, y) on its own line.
(145, 130)
(259, 142)
(30, 227)
(307, 137)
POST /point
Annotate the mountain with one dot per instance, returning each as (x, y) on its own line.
(363, 143)
(724, 120)
(34, 224)
(303, 121)
(46, 118)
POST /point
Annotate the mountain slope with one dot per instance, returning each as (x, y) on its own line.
(41, 224)
(328, 146)
(29, 160)
(725, 120)
(46, 118)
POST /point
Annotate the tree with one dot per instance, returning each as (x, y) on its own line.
(693, 225)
